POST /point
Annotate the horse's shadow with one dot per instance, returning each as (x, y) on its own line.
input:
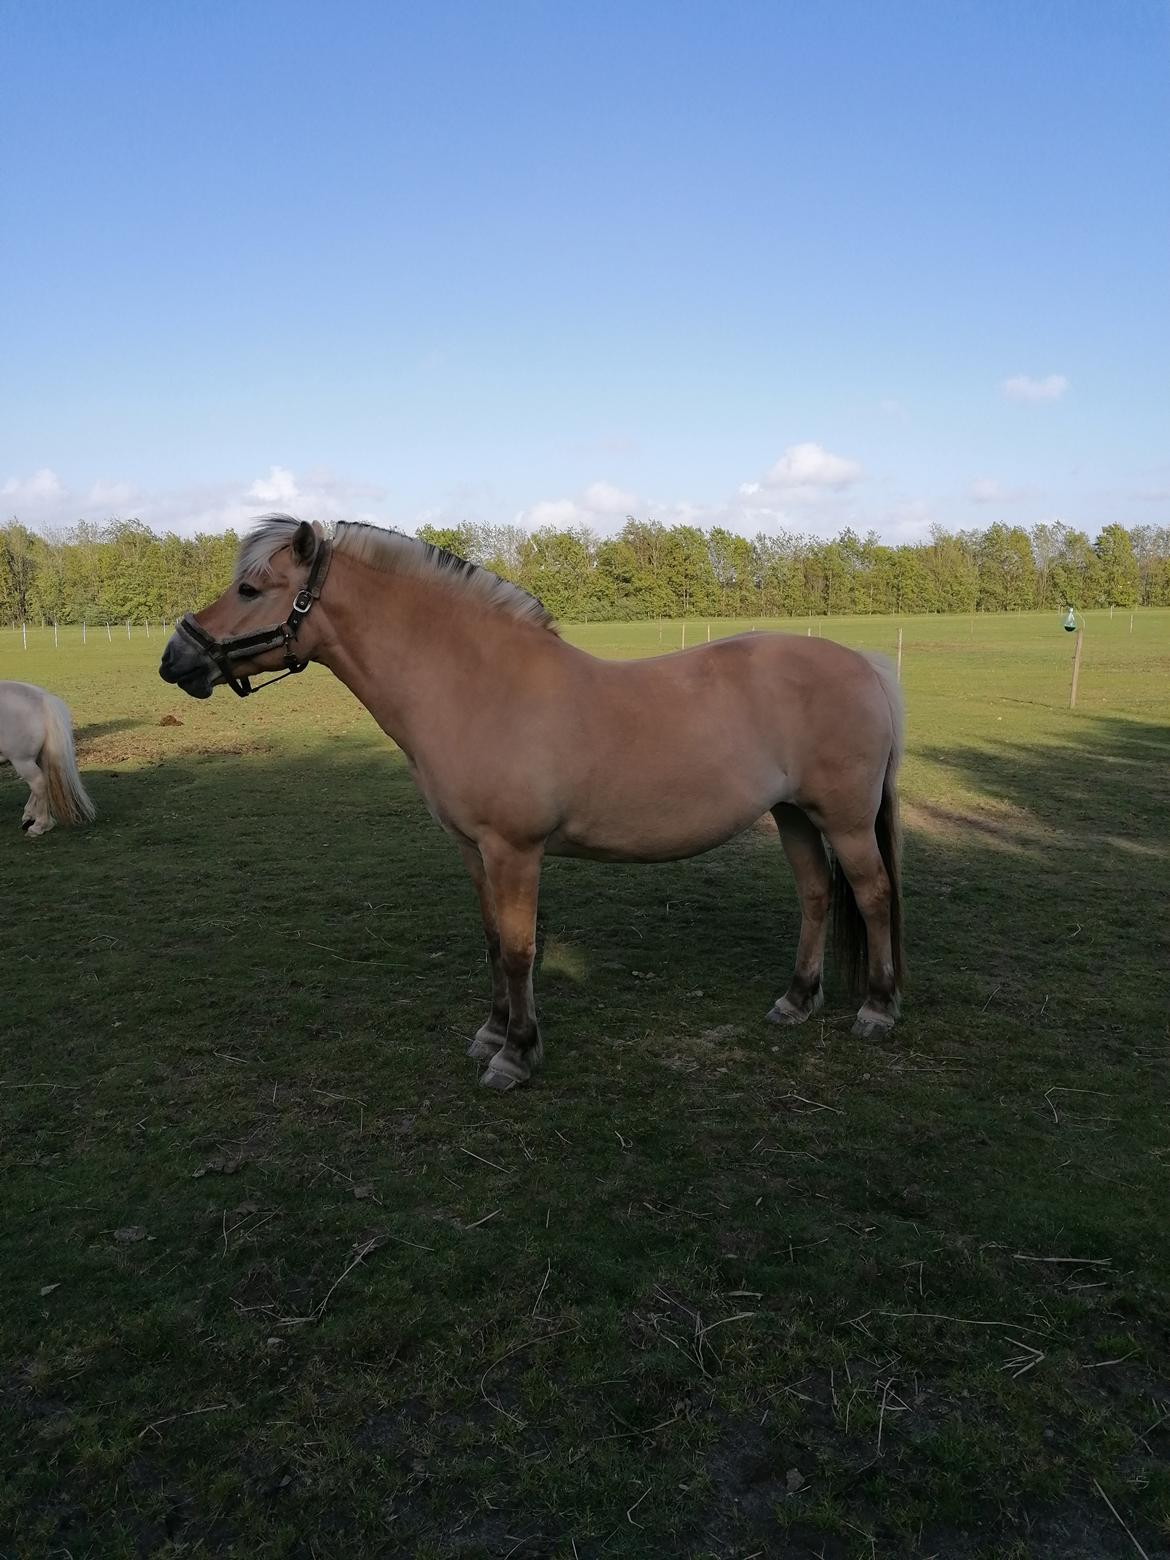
(104, 728)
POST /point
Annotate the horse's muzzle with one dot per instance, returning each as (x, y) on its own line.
(183, 665)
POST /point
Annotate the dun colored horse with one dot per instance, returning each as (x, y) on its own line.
(523, 745)
(36, 737)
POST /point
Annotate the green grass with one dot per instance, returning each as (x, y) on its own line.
(703, 1289)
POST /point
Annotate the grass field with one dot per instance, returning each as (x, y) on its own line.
(280, 1280)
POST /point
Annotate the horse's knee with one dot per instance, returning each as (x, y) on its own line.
(518, 959)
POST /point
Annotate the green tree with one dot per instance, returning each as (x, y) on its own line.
(1117, 568)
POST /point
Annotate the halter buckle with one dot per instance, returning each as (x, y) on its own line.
(302, 601)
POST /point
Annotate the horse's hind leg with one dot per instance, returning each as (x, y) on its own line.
(36, 819)
(860, 859)
(806, 855)
(493, 1032)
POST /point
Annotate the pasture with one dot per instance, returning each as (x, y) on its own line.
(280, 1280)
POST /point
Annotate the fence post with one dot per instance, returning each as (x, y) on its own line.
(899, 655)
(1076, 676)
(54, 633)
(127, 628)
(24, 635)
(83, 630)
(684, 636)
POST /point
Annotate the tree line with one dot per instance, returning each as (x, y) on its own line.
(124, 571)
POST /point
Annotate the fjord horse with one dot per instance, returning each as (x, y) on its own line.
(523, 746)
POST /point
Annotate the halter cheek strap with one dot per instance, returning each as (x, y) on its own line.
(282, 636)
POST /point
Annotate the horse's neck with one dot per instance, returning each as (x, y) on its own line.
(399, 643)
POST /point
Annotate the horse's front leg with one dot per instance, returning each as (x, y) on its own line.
(493, 1032)
(513, 881)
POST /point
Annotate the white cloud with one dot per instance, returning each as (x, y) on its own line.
(601, 507)
(1023, 388)
(986, 490)
(112, 497)
(40, 491)
(804, 471)
(278, 487)
(606, 499)
(44, 500)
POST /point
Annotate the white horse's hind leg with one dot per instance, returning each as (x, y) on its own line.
(36, 819)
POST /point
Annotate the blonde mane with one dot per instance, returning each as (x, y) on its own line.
(393, 553)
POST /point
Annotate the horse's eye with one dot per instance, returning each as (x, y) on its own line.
(248, 591)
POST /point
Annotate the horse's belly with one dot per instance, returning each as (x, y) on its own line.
(675, 823)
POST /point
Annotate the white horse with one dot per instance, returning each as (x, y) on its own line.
(36, 737)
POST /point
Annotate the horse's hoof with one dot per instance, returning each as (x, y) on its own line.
(788, 1015)
(504, 1072)
(483, 1047)
(872, 1028)
(492, 1078)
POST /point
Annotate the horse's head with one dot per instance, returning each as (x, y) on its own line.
(261, 623)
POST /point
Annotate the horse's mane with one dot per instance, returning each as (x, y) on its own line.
(394, 553)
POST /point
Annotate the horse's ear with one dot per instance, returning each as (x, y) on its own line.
(304, 542)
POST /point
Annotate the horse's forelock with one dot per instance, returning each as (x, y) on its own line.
(263, 541)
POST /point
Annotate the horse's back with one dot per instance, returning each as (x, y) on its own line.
(22, 719)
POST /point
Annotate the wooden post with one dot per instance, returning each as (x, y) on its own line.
(1131, 622)
(708, 633)
(54, 633)
(684, 638)
(899, 655)
(24, 635)
(83, 631)
(127, 628)
(1076, 677)
(109, 636)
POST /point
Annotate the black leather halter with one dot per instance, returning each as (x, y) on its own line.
(242, 647)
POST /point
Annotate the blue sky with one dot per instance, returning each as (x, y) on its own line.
(769, 265)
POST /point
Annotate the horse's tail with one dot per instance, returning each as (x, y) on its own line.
(849, 935)
(68, 801)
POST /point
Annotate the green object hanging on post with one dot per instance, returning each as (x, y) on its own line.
(1070, 620)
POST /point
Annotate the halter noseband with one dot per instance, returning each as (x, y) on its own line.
(242, 647)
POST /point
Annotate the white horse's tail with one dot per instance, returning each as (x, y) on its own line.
(68, 801)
